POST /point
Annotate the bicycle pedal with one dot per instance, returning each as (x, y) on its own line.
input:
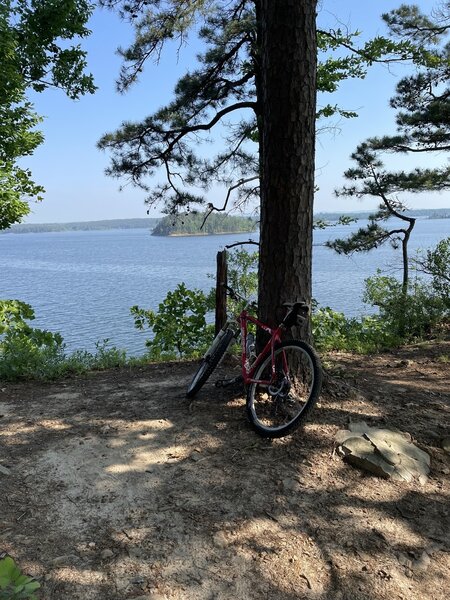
(228, 382)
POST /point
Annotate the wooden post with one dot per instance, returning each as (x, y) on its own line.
(221, 294)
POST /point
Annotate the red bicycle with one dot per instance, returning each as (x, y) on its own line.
(283, 381)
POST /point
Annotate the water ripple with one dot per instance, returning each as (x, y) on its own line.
(84, 283)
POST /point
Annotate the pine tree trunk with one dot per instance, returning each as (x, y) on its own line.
(405, 258)
(405, 279)
(286, 89)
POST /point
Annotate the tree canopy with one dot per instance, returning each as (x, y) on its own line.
(34, 54)
(220, 94)
(422, 101)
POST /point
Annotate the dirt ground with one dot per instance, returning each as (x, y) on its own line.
(113, 486)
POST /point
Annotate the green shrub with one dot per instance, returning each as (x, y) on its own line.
(242, 277)
(401, 318)
(26, 351)
(436, 263)
(14, 585)
(409, 316)
(179, 327)
(13, 314)
(334, 331)
(31, 353)
(243, 272)
(104, 357)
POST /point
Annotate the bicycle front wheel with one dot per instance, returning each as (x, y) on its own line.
(278, 402)
(210, 361)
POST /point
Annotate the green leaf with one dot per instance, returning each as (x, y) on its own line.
(13, 583)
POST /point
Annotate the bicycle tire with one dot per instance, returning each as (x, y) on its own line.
(301, 395)
(209, 362)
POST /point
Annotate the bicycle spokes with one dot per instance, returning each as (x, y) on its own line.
(278, 403)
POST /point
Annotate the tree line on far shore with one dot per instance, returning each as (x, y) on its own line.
(195, 224)
(137, 223)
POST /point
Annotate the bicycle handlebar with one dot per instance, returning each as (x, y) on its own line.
(234, 294)
(297, 311)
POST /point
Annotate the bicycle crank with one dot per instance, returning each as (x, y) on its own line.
(228, 382)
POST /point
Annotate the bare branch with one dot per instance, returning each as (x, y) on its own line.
(212, 208)
(241, 244)
(206, 126)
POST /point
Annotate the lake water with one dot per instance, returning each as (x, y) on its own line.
(83, 283)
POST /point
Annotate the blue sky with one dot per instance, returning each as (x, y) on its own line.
(71, 168)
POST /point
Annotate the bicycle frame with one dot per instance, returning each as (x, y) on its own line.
(248, 370)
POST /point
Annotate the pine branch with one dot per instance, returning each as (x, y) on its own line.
(376, 50)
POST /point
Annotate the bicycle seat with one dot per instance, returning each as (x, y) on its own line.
(295, 308)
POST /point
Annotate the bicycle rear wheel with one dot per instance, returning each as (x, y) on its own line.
(276, 406)
(209, 362)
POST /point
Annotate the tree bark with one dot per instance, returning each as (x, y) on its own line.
(405, 279)
(221, 292)
(286, 90)
(405, 259)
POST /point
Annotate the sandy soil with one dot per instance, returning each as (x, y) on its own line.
(116, 487)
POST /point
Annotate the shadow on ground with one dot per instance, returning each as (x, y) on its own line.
(119, 487)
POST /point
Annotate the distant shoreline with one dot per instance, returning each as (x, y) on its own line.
(150, 223)
(104, 225)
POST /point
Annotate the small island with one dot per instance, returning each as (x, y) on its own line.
(215, 224)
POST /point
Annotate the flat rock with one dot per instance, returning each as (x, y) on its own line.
(383, 452)
(360, 452)
(393, 444)
(358, 427)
